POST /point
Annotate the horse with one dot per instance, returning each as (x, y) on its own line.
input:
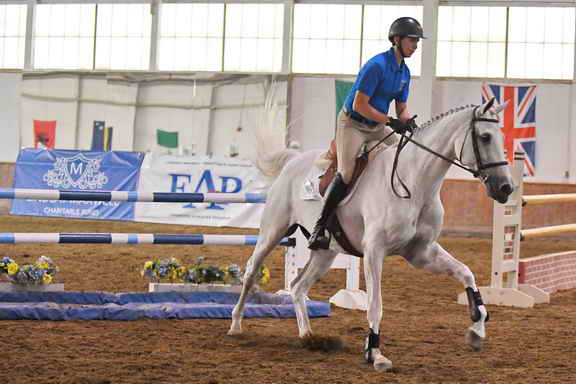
(379, 222)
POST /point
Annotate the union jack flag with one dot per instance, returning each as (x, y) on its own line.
(518, 120)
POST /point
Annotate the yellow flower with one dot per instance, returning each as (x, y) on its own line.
(43, 265)
(265, 275)
(13, 268)
(47, 278)
(148, 264)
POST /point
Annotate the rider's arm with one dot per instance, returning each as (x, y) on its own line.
(402, 111)
(364, 108)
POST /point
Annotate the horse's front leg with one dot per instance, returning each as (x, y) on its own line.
(436, 259)
(373, 261)
(319, 263)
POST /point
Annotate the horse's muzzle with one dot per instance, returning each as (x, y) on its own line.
(499, 189)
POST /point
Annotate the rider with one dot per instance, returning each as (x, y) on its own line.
(364, 116)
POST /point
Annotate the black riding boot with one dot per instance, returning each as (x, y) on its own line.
(334, 195)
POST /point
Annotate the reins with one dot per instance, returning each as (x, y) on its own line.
(404, 139)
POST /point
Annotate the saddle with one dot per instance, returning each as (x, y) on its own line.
(334, 226)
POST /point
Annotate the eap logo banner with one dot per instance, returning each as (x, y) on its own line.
(77, 171)
(200, 174)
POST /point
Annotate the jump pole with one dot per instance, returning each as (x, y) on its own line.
(132, 238)
(295, 258)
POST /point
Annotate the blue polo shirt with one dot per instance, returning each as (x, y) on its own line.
(383, 80)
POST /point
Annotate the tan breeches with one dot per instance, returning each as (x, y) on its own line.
(350, 135)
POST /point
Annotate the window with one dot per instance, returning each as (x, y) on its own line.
(191, 37)
(326, 38)
(64, 36)
(123, 36)
(12, 35)
(515, 42)
(254, 35)
(541, 43)
(471, 41)
(377, 21)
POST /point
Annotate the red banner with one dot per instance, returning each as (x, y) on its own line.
(44, 134)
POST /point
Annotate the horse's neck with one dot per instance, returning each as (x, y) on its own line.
(420, 168)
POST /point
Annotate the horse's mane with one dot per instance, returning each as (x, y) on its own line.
(433, 121)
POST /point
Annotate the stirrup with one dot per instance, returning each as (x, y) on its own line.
(319, 240)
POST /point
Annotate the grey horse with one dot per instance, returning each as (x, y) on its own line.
(378, 222)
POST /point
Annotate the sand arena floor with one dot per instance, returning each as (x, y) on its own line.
(422, 329)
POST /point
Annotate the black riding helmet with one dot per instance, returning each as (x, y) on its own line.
(405, 27)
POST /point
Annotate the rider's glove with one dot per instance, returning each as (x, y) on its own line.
(399, 126)
(411, 122)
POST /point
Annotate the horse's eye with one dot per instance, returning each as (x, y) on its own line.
(485, 137)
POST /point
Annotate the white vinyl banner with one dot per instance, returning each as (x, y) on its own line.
(200, 174)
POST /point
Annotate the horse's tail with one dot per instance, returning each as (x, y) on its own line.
(272, 164)
(270, 136)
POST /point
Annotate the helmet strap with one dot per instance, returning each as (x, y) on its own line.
(399, 46)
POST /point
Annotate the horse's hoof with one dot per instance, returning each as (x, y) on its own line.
(474, 340)
(382, 364)
(234, 330)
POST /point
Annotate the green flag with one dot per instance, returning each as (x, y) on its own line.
(167, 139)
(342, 89)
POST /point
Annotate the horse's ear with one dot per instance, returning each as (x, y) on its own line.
(488, 105)
(501, 107)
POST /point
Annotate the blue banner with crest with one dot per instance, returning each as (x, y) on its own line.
(77, 171)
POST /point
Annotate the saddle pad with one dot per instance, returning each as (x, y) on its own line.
(310, 189)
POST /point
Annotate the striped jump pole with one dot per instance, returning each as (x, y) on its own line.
(132, 196)
(133, 238)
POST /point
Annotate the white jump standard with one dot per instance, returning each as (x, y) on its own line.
(525, 282)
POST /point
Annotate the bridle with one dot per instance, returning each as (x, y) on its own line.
(481, 166)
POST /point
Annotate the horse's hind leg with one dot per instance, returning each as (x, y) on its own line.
(436, 259)
(270, 235)
(319, 263)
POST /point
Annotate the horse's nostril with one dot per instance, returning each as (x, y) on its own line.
(506, 188)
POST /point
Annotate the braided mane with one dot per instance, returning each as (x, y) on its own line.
(440, 116)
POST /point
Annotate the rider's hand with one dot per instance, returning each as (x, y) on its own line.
(411, 122)
(398, 126)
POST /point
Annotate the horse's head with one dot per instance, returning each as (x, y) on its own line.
(481, 149)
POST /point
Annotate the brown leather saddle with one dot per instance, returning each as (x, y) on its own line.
(334, 226)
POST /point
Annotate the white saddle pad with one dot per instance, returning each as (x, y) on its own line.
(310, 189)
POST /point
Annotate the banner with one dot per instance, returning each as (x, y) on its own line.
(44, 134)
(342, 90)
(199, 174)
(101, 136)
(76, 170)
(517, 120)
(167, 139)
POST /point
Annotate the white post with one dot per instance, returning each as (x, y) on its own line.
(507, 224)
(351, 297)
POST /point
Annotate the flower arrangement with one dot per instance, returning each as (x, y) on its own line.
(198, 273)
(163, 270)
(40, 272)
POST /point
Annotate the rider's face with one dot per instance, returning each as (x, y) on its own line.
(409, 45)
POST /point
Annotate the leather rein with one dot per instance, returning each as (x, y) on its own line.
(481, 166)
